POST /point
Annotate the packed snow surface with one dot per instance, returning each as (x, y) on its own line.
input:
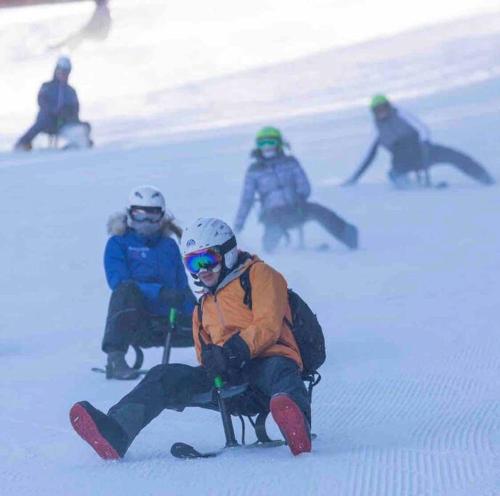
(409, 401)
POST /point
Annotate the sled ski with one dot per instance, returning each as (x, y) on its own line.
(103, 371)
(185, 451)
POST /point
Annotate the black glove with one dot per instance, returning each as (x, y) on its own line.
(225, 361)
(172, 297)
(215, 361)
(236, 351)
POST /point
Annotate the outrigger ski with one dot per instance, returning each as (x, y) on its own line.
(185, 451)
(103, 371)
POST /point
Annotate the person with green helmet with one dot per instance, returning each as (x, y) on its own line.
(283, 189)
(408, 141)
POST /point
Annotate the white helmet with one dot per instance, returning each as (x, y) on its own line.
(210, 233)
(146, 196)
(146, 209)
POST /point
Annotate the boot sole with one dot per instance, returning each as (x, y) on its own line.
(292, 424)
(86, 428)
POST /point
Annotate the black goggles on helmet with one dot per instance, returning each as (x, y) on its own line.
(145, 214)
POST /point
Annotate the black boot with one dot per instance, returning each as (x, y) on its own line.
(486, 179)
(350, 236)
(103, 433)
(118, 368)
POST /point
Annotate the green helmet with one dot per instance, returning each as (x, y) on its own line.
(378, 100)
(269, 133)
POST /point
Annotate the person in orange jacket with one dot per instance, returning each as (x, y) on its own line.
(240, 344)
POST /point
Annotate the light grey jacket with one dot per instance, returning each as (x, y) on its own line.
(277, 182)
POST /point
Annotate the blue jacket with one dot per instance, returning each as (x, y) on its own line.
(151, 262)
(60, 100)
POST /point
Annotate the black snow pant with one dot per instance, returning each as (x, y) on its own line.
(279, 220)
(177, 386)
(45, 123)
(129, 323)
(433, 154)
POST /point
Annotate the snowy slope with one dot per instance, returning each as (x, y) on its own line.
(409, 402)
(169, 67)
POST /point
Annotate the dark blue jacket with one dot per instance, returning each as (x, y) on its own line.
(151, 262)
(60, 100)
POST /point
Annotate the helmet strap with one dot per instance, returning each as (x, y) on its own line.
(227, 245)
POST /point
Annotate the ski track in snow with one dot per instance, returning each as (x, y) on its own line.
(409, 401)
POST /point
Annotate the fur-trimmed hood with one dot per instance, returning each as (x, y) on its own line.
(117, 226)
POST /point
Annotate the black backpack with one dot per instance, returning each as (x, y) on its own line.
(305, 327)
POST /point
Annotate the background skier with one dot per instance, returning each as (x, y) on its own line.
(233, 341)
(145, 272)
(283, 189)
(59, 107)
(408, 142)
(97, 28)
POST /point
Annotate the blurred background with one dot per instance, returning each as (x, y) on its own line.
(206, 64)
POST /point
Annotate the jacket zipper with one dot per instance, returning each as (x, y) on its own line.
(219, 313)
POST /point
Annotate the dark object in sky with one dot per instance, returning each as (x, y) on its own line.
(96, 29)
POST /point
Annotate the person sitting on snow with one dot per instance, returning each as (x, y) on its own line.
(232, 341)
(59, 107)
(145, 273)
(283, 190)
(408, 141)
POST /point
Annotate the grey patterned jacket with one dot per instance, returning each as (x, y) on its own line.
(277, 182)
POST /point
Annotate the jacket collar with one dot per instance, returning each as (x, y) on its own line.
(245, 261)
(117, 226)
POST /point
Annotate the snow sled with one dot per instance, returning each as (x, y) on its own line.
(72, 136)
(171, 332)
(241, 401)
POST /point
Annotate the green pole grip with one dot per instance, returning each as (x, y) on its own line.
(218, 382)
(172, 318)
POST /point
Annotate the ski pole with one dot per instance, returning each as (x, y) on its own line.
(172, 321)
(425, 161)
(227, 423)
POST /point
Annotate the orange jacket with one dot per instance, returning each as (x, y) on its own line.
(263, 328)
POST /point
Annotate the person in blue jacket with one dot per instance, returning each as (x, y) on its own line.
(145, 272)
(59, 106)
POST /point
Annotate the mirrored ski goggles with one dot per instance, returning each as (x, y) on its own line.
(146, 214)
(268, 143)
(207, 259)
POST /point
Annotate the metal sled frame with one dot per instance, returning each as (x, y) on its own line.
(53, 140)
(258, 422)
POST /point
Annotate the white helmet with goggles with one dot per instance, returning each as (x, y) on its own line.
(146, 205)
(207, 243)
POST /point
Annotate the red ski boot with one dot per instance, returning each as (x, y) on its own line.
(292, 423)
(104, 434)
